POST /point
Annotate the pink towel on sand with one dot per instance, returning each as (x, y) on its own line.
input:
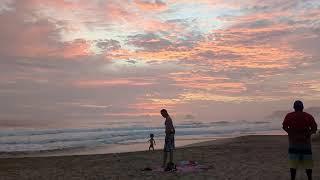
(186, 167)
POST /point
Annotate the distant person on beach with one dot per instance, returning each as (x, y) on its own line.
(300, 126)
(152, 142)
(169, 145)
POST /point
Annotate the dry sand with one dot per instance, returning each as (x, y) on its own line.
(243, 158)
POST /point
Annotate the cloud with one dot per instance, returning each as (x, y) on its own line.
(280, 115)
(108, 44)
(76, 48)
(151, 5)
(135, 57)
(113, 82)
(207, 83)
(28, 35)
(189, 116)
(149, 42)
(23, 38)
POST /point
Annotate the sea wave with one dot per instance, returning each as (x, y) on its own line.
(57, 139)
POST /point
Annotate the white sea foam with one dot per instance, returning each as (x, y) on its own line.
(60, 139)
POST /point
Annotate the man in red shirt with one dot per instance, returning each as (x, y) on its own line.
(300, 126)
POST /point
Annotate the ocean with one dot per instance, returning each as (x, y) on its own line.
(36, 140)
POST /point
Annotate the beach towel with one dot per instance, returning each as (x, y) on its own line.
(182, 167)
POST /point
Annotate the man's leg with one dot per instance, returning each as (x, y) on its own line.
(171, 156)
(293, 173)
(309, 173)
(164, 159)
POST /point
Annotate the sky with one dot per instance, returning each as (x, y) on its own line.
(77, 61)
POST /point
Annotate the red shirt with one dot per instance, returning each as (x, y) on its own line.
(299, 126)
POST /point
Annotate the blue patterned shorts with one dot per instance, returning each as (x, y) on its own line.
(300, 156)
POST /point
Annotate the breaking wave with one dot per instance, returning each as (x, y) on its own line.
(60, 139)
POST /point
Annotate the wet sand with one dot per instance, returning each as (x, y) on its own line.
(248, 157)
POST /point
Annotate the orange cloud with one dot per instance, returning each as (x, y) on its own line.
(152, 106)
(164, 55)
(149, 24)
(117, 13)
(208, 83)
(36, 36)
(76, 48)
(253, 56)
(155, 104)
(131, 114)
(260, 56)
(113, 82)
(156, 5)
(59, 4)
(305, 86)
(237, 46)
(200, 96)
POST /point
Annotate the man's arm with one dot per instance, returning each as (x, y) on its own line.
(285, 124)
(313, 126)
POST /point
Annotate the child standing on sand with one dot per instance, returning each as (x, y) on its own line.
(169, 145)
(152, 142)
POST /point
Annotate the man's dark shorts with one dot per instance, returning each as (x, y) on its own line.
(169, 143)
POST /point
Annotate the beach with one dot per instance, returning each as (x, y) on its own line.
(247, 157)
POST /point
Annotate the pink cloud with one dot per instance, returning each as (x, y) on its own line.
(76, 48)
(156, 25)
(207, 83)
(60, 4)
(113, 82)
(27, 35)
(118, 13)
(154, 5)
(238, 63)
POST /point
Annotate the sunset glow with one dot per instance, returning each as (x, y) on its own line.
(129, 58)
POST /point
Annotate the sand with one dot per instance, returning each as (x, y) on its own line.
(247, 158)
